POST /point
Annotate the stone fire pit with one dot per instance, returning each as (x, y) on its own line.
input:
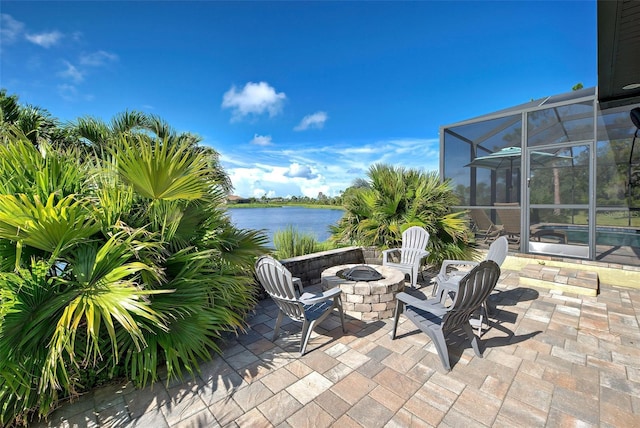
(366, 300)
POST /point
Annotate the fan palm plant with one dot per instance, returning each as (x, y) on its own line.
(35, 123)
(377, 211)
(118, 262)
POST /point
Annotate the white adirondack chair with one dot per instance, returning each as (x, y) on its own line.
(309, 309)
(447, 282)
(414, 244)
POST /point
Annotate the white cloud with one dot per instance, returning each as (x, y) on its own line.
(68, 92)
(330, 169)
(300, 171)
(10, 29)
(46, 40)
(261, 140)
(315, 120)
(253, 99)
(256, 181)
(72, 73)
(97, 59)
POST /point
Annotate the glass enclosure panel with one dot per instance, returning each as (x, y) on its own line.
(617, 188)
(484, 184)
(491, 135)
(558, 186)
(618, 236)
(484, 189)
(618, 165)
(456, 154)
(559, 176)
(484, 223)
(616, 177)
(561, 226)
(573, 122)
(618, 218)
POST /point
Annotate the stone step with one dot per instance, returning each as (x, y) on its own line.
(565, 279)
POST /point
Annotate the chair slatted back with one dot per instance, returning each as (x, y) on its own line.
(414, 242)
(278, 283)
(498, 250)
(473, 290)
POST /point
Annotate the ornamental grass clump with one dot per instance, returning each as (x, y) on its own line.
(290, 242)
(116, 258)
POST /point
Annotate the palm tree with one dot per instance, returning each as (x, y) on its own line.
(395, 198)
(98, 134)
(118, 263)
(35, 123)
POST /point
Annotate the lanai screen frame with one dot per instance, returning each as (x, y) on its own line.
(595, 126)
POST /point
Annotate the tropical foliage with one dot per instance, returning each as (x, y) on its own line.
(116, 257)
(34, 122)
(393, 199)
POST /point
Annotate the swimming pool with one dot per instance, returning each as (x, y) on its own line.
(605, 235)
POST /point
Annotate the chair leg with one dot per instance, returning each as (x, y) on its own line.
(307, 328)
(441, 346)
(277, 327)
(414, 278)
(472, 337)
(338, 303)
(399, 309)
(484, 316)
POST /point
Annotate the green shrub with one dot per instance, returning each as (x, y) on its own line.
(113, 263)
(290, 242)
(377, 211)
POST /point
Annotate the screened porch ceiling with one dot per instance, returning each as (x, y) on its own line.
(548, 123)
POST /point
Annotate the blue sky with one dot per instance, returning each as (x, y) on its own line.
(298, 97)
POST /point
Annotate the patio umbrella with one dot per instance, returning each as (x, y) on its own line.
(503, 158)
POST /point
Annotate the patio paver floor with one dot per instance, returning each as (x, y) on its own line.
(550, 359)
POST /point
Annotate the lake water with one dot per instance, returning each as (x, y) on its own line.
(315, 221)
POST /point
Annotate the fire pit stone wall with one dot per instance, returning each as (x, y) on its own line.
(366, 300)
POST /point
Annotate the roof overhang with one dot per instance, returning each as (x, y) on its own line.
(618, 52)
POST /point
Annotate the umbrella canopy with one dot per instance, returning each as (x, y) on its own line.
(503, 158)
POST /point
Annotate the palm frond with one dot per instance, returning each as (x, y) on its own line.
(38, 171)
(92, 130)
(396, 198)
(103, 289)
(51, 227)
(158, 170)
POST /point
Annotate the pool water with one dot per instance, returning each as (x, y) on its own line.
(613, 236)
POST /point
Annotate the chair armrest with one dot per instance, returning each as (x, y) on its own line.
(442, 275)
(385, 253)
(447, 263)
(431, 305)
(421, 255)
(310, 298)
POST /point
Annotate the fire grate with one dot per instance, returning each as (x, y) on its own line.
(361, 273)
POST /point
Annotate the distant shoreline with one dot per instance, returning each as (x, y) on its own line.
(270, 205)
